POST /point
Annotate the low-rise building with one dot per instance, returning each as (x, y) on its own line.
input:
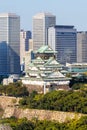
(77, 67)
(10, 79)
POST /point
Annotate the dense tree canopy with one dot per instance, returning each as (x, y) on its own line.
(14, 89)
(24, 124)
(71, 101)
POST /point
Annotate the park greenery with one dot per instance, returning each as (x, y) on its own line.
(35, 124)
(14, 89)
(69, 101)
(73, 100)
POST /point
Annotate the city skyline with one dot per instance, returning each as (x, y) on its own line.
(67, 12)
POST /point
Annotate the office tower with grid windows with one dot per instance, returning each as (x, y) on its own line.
(9, 44)
(41, 23)
(63, 39)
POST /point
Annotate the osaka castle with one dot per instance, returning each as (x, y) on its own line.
(44, 72)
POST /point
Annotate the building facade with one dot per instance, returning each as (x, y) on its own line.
(63, 39)
(9, 44)
(30, 44)
(24, 44)
(29, 55)
(41, 23)
(81, 47)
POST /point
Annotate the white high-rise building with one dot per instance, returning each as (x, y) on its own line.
(41, 23)
(9, 44)
(82, 46)
(24, 44)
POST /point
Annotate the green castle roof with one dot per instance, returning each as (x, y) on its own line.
(45, 49)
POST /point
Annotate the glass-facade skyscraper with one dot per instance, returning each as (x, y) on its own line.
(9, 44)
(63, 39)
(41, 23)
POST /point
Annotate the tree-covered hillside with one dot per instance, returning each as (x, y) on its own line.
(70, 101)
(34, 124)
(14, 89)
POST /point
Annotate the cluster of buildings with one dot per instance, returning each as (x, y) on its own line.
(18, 48)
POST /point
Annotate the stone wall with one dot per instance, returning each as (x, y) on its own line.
(40, 114)
(10, 107)
(37, 88)
(6, 101)
(40, 89)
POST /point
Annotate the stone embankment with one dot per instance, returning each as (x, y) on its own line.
(9, 105)
(40, 114)
(6, 101)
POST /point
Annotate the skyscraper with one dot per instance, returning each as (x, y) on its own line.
(63, 39)
(24, 43)
(9, 44)
(81, 46)
(41, 23)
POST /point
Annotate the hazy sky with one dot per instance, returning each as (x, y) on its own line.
(68, 12)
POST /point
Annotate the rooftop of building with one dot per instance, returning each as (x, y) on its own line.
(43, 14)
(76, 64)
(64, 26)
(8, 15)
